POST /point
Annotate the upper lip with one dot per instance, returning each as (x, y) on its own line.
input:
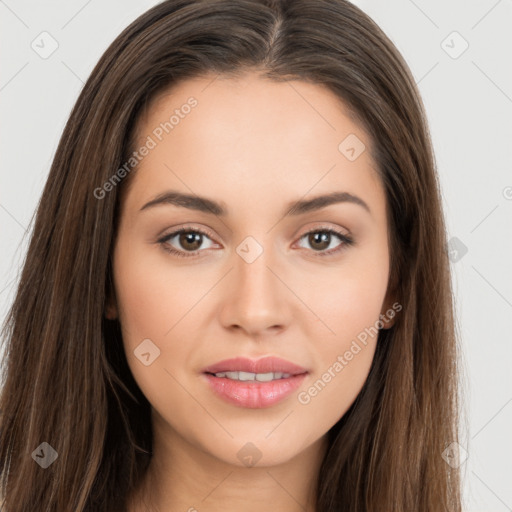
(263, 365)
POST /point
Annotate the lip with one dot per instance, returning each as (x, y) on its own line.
(254, 394)
(263, 365)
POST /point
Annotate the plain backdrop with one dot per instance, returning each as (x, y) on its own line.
(460, 53)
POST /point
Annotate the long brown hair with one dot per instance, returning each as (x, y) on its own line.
(67, 381)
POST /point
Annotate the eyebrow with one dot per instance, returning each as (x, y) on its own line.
(206, 205)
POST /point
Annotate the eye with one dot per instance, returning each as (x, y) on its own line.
(320, 239)
(189, 239)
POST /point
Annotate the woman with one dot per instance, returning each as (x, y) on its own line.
(301, 351)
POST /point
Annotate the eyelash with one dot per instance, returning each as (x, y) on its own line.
(347, 241)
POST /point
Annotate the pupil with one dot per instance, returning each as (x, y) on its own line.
(191, 238)
(320, 237)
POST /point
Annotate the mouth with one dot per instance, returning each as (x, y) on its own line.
(248, 376)
(254, 384)
(265, 365)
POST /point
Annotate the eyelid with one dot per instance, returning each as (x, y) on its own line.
(173, 231)
(324, 226)
(346, 239)
(319, 226)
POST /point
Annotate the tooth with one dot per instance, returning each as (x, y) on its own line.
(264, 377)
(246, 376)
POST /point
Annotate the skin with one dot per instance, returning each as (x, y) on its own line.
(253, 145)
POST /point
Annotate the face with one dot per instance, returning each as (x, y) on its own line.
(295, 292)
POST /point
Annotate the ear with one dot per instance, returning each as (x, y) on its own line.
(111, 312)
(390, 308)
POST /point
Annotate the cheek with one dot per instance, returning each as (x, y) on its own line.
(345, 337)
(330, 393)
(153, 303)
(151, 299)
(349, 299)
(343, 359)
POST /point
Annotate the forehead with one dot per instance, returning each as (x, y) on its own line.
(262, 138)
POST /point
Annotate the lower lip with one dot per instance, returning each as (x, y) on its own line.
(254, 394)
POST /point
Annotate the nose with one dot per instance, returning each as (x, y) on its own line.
(256, 298)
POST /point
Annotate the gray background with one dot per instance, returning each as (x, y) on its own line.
(468, 98)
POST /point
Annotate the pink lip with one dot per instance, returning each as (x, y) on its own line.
(263, 365)
(254, 394)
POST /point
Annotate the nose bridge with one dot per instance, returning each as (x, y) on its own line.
(255, 278)
(256, 298)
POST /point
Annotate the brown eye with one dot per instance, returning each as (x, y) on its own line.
(190, 240)
(320, 240)
(185, 242)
